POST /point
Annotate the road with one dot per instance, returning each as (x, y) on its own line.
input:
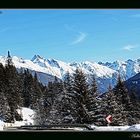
(52, 128)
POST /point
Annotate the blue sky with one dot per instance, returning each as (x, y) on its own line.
(71, 35)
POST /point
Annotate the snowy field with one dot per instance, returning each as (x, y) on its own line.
(117, 128)
(28, 115)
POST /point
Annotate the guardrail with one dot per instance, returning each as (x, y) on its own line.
(54, 127)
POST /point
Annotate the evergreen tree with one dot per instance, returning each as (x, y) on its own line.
(31, 90)
(69, 103)
(80, 94)
(40, 112)
(93, 86)
(123, 100)
(68, 82)
(61, 111)
(49, 95)
(4, 106)
(27, 88)
(135, 108)
(53, 89)
(38, 101)
(12, 88)
(57, 86)
(100, 112)
(36, 92)
(80, 86)
(113, 107)
(94, 104)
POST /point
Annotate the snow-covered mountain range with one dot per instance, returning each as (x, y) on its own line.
(105, 73)
(127, 68)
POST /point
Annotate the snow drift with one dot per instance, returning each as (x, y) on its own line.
(28, 119)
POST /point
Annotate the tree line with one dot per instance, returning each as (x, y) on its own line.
(74, 101)
(71, 101)
(17, 89)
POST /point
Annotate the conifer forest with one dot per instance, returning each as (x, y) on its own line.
(71, 101)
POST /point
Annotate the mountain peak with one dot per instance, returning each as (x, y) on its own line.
(36, 57)
(105, 73)
(53, 62)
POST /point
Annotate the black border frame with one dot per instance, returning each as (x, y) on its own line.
(70, 4)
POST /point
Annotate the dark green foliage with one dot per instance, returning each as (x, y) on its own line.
(31, 89)
(68, 105)
(61, 111)
(80, 96)
(80, 86)
(12, 89)
(68, 82)
(50, 94)
(4, 107)
(36, 93)
(27, 88)
(93, 87)
(113, 107)
(135, 107)
(40, 112)
(72, 101)
(16, 90)
(120, 106)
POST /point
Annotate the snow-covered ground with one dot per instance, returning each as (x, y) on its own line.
(1, 125)
(117, 128)
(27, 115)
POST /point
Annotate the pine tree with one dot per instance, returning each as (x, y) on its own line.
(39, 102)
(57, 86)
(27, 83)
(135, 107)
(123, 100)
(36, 93)
(80, 86)
(53, 89)
(31, 90)
(49, 95)
(68, 82)
(113, 107)
(93, 103)
(4, 107)
(67, 110)
(110, 100)
(80, 94)
(69, 103)
(93, 86)
(12, 88)
(61, 111)
(40, 112)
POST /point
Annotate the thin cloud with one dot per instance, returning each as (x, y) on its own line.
(129, 47)
(80, 35)
(80, 38)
